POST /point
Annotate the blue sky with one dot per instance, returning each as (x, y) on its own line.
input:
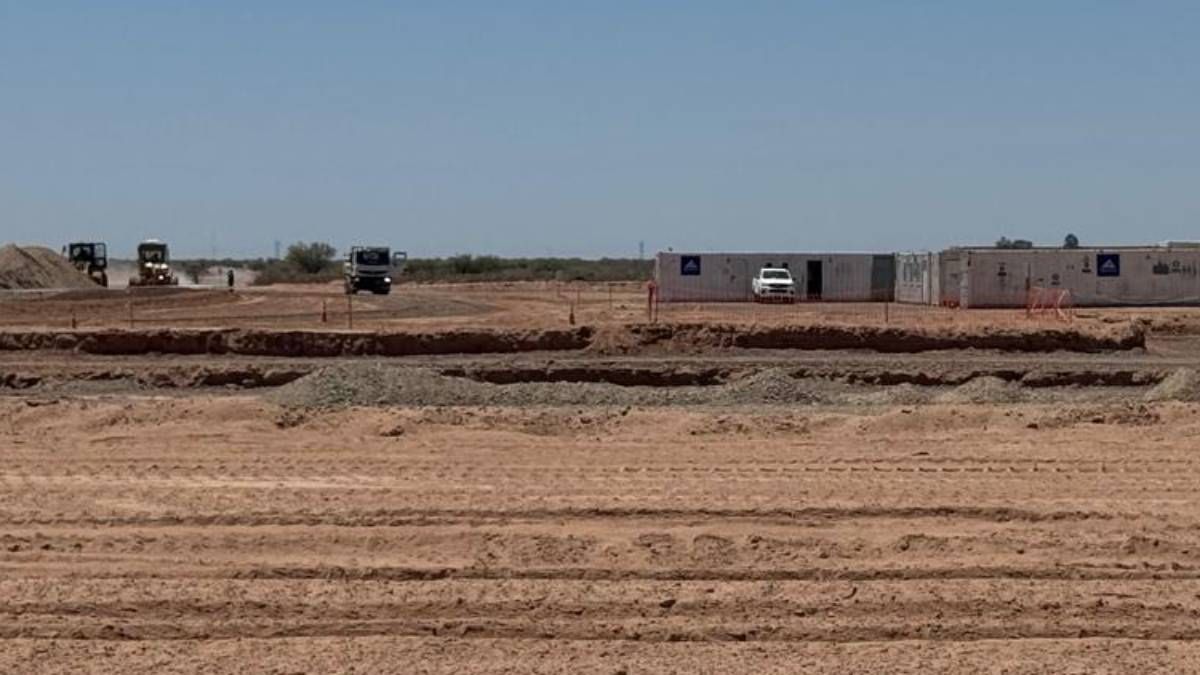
(572, 128)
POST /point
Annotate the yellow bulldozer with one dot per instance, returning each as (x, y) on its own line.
(153, 265)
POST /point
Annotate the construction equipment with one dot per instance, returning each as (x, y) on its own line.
(370, 268)
(91, 258)
(154, 265)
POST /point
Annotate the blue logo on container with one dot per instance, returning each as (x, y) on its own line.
(689, 265)
(1108, 264)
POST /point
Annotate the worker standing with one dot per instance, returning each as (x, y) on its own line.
(229, 278)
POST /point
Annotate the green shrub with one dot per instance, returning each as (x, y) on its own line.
(493, 268)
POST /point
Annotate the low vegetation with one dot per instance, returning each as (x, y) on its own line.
(318, 262)
(305, 262)
(495, 268)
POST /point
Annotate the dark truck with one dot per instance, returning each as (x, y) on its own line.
(370, 268)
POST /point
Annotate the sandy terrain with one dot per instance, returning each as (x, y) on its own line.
(524, 305)
(716, 510)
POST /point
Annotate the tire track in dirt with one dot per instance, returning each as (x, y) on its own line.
(834, 611)
(401, 516)
(222, 528)
(448, 655)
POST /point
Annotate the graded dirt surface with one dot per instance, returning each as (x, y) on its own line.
(702, 509)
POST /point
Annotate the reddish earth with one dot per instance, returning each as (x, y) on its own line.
(621, 339)
(696, 507)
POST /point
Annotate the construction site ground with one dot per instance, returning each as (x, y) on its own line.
(617, 499)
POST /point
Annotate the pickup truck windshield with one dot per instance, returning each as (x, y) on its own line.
(776, 274)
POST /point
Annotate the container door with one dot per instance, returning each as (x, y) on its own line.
(883, 278)
(814, 284)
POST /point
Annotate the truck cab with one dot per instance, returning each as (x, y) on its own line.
(153, 265)
(369, 268)
(91, 258)
(774, 284)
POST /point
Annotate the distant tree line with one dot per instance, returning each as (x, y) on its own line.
(1070, 241)
(318, 262)
(494, 268)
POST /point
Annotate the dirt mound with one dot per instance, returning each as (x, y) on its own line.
(297, 343)
(775, 385)
(983, 390)
(887, 339)
(900, 394)
(381, 384)
(1181, 385)
(34, 267)
(636, 338)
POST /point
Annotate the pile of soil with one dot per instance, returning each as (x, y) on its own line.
(378, 384)
(37, 267)
(983, 390)
(683, 337)
(1181, 385)
(777, 386)
(900, 394)
(293, 343)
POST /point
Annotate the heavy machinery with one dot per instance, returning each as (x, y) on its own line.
(91, 258)
(153, 265)
(370, 268)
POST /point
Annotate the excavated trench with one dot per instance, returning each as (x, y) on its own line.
(649, 338)
(707, 377)
(254, 376)
(621, 376)
(248, 377)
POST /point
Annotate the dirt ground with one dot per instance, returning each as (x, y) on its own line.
(721, 511)
(512, 305)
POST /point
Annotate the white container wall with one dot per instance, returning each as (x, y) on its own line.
(1093, 276)
(916, 278)
(949, 278)
(726, 277)
(929, 278)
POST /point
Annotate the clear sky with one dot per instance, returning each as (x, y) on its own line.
(580, 128)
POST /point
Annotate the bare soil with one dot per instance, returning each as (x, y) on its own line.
(37, 267)
(695, 505)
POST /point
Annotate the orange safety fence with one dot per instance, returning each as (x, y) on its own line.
(1053, 302)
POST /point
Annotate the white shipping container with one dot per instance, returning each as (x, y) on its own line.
(1093, 276)
(726, 277)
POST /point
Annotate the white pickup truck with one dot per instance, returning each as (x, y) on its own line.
(774, 284)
